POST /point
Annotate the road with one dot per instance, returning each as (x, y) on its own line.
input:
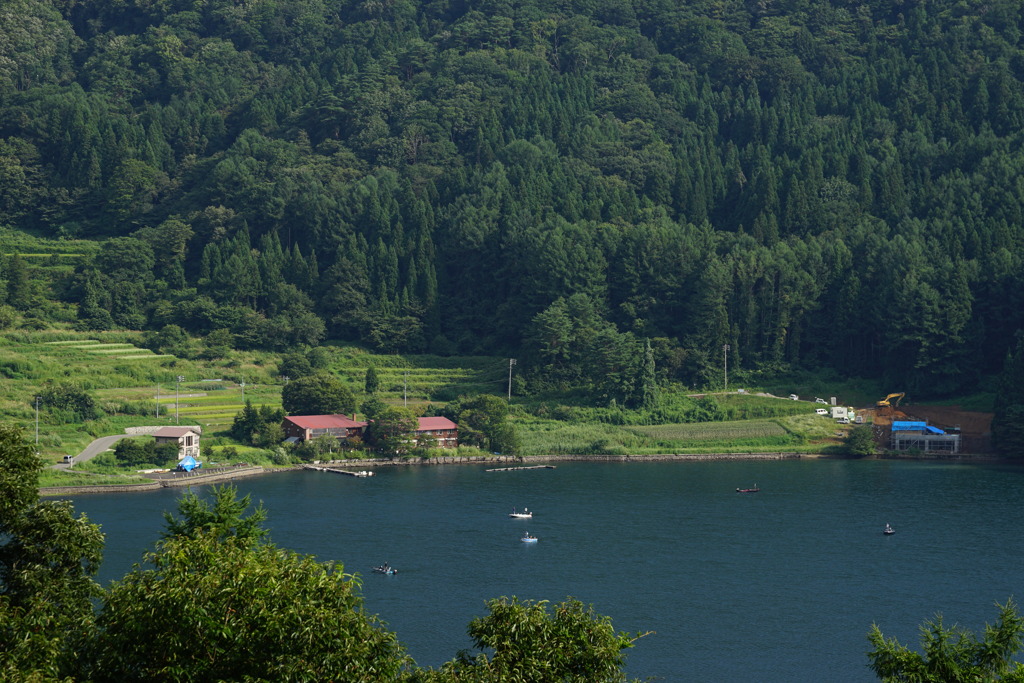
(98, 446)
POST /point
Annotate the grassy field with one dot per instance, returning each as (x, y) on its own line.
(800, 433)
(135, 387)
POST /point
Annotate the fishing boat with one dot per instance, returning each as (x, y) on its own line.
(527, 538)
(888, 530)
(385, 569)
(750, 490)
(525, 514)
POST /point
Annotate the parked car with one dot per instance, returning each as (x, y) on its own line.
(821, 400)
(794, 397)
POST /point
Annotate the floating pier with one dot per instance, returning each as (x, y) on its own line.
(361, 473)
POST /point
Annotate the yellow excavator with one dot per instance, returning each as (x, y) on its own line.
(889, 402)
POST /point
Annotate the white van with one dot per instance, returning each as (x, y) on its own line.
(69, 459)
(821, 411)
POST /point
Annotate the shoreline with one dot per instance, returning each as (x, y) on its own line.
(178, 480)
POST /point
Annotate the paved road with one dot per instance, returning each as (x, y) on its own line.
(98, 446)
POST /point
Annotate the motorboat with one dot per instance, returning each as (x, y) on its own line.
(385, 569)
(750, 490)
(525, 514)
(888, 530)
(527, 538)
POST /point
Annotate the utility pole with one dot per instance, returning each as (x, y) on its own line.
(405, 390)
(177, 384)
(158, 399)
(37, 425)
(725, 364)
(242, 384)
(511, 362)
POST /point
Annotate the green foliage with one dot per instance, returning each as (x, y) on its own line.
(258, 426)
(222, 520)
(834, 190)
(68, 403)
(483, 422)
(47, 560)
(372, 382)
(319, 394)
(524, 641)
(860, 441)
(136, 452)
(1008, 421)
(392, 430)
(953, 655)
(264, 614)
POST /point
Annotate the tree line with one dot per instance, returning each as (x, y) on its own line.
(823, 185)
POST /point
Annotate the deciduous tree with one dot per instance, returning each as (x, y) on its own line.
(319, 394)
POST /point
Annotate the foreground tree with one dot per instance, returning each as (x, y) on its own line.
(224, 518)
(953, 655)
(213, 610)
(529, 643)
(218, 604)
(47, 560)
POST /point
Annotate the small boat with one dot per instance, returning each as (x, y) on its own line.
(385, 569)
(888, 530)
(525, 514)
(527, 538)
(750, 490)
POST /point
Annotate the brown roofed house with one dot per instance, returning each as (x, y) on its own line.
(187, 439)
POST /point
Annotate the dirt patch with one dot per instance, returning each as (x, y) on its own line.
(950, 417)
(975, 428)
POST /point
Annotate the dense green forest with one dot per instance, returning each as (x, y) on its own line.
(600, 189)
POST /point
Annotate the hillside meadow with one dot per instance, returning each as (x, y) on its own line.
(133, 386)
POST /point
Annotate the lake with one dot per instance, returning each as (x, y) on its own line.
(781, 585)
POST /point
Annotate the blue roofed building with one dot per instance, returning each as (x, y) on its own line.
(913, 435)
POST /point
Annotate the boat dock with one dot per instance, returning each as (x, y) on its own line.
(361, 473)
(530, 467)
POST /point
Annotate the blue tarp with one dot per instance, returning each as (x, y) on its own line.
(188, 463)
(909, 426)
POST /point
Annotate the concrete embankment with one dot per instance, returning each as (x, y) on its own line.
(168, 480)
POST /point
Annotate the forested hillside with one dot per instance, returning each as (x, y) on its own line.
(827, 183)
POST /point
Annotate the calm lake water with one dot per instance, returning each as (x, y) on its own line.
(781, 585)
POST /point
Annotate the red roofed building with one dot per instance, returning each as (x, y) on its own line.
(308, 427)
(443, 431)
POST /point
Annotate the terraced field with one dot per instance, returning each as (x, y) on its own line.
(122, 351)
(714, 431)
